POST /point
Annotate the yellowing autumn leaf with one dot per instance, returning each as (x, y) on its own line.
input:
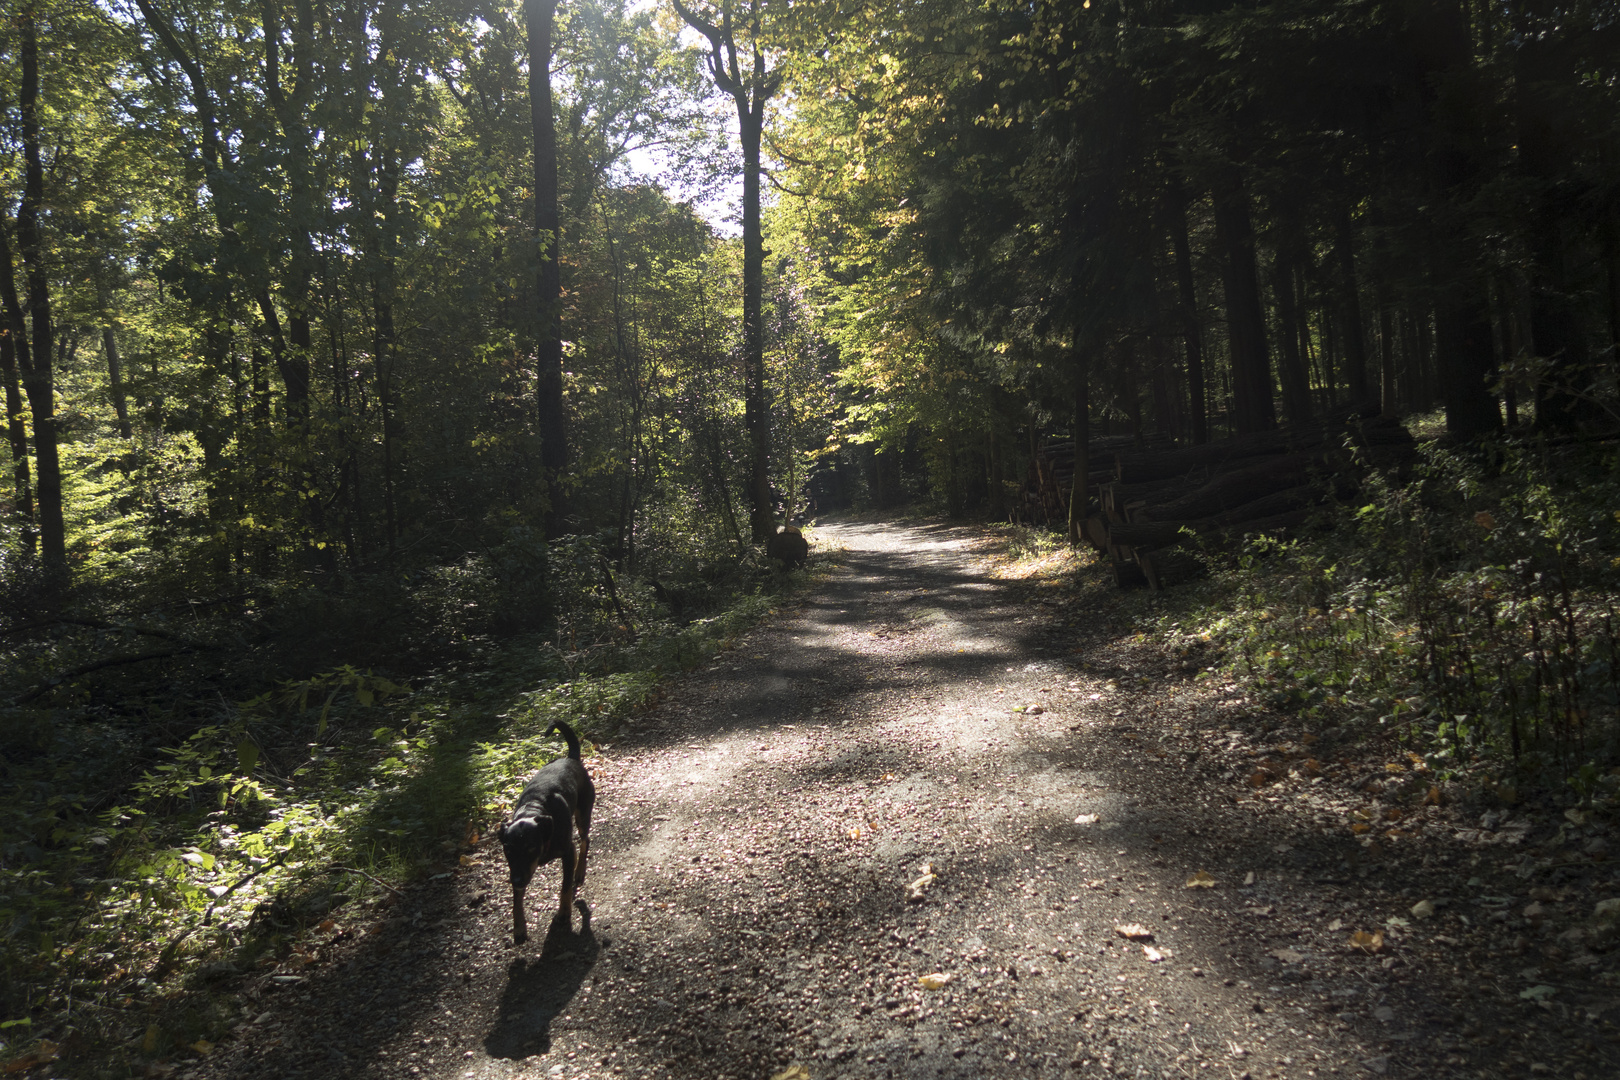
(1369, 943)
(468, 860)
(1360, 827)
(939, 980)
(1433, 797)
(1201, 880)
(203, 1047)
(792, 1072)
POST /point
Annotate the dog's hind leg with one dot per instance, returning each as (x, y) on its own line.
(520, 925)
(565, 901)
(582, 818)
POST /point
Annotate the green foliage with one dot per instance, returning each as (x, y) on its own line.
(1469, 613)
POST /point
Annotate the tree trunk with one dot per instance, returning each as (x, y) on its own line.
(750, 91)
(115, 381)
(1079, 494)
(1296, 383)
(1355, 341)
(541, 15)
(1443, 51)
(1245, 317)
(37, 376)
(1192, 332)
(16, 433)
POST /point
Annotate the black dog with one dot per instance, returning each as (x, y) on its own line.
(542, 829)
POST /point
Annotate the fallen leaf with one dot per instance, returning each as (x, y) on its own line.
(1394, 767)
(1433, 797)
(1260, 778)
(1201, 880)
(1335, 925)
(939, 980)
(468, 860)
(149, 1044)
(1423, 909)
(1484, 520)
(1576, 817)
(1368, 943)
(1134, 932)
(1248, 879)
(203, 1047)
(914, 891)
(792, 1072)
(1538, 993)
(1086, 819)
(43, 1054)
(1153, 955)
(1360, 827)
(1288, 956)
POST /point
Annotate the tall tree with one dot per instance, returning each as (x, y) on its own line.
(541, 16)
(36, 360)
(750, 89)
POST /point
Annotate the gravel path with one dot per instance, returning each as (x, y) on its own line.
(758, 833)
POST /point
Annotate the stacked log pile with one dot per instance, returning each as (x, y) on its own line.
(1156, 500)
(1051, 470)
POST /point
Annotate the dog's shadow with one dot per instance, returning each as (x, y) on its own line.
(538, 989)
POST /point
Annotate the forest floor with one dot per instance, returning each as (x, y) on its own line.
(1067, 784)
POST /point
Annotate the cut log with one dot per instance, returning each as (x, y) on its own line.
(1231, 490)
(1150, 534)
(1097, 531)
(1169, 566)
(1279, 525)
(1278, 502)
(1128, 575)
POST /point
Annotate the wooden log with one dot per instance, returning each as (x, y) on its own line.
(1169, 566)
(1097, 531)
(1231, 490)
(1128, 575)
(1301, 497)
(1116, 495)
(1150, 534)
(1279, 525)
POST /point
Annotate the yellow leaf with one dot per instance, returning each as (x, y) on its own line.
(937, 981)
(203, 1047)
(1433, 797)
(468, 860)
(1201, 880)
(1368, 943)
(1360, 827)
(792, 1072)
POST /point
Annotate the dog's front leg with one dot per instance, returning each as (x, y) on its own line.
(520, 925)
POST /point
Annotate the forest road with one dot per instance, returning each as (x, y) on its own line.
(756, 841)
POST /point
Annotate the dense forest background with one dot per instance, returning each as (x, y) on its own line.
(344, 347)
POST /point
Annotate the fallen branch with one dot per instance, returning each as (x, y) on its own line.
(85, 669)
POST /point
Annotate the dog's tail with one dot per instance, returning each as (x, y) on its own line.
(568, 734)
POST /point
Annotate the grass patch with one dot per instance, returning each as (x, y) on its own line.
(131, 873)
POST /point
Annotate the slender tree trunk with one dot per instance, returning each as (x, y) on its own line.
(1192, 331)
(1296, 384)
(1080, 491)
(1252, 408)
(37, 376)
(115, 381)
(1443, 51)
(1355, 341)
(750, 90)
(541, 14)
(16, 433)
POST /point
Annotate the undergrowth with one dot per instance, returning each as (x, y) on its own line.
(143, 856)
(1467, 610)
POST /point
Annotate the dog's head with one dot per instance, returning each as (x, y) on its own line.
(527, 843)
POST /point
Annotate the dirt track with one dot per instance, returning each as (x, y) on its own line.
(757, 832)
